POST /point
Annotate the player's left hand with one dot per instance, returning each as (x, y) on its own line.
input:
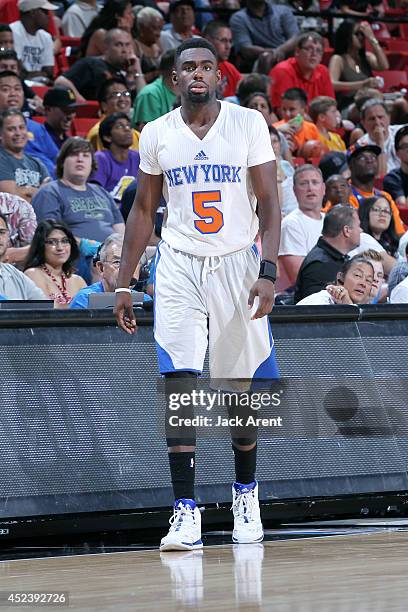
(264, 289)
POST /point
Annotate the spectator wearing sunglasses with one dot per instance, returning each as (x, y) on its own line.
(113, 97)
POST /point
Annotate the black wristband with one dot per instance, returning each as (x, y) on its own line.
(268, 270)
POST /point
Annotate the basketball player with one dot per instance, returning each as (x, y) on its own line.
(215, 165)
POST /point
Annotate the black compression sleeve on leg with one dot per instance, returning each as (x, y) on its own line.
(182, 470)
(176, 384)
(245, 464)
(182, 464)
(242, 434)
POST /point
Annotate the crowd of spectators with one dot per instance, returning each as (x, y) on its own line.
(338, 128)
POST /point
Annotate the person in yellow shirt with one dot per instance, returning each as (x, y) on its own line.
(323, 112)
(113, 97)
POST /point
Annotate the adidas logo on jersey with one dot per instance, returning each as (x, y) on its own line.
(200, 156)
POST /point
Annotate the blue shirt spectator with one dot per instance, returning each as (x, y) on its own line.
(263, 27)
(82, 297)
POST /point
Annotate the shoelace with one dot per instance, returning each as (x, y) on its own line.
(211, 264)
(244, 507)
(178, 514)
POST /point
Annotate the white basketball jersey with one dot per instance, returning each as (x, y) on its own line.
(210, 201)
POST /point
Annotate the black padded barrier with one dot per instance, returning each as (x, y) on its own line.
(79, 418)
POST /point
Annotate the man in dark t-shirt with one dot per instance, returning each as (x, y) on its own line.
(340, 234)
(119, 61)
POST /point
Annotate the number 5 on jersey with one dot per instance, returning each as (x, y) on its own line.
(211, 218)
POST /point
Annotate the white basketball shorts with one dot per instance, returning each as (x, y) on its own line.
(202, 301)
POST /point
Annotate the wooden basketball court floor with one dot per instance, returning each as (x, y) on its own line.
(337, 569)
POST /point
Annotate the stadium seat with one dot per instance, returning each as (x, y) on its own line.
(40, 90)
(395, 12)
(397, 60)
(380, 30)
(404, 215)
(393, 79)
(327, 53)
(396, 44)
(82, 125)
(70, 41)
(404, 31)
(88, 110)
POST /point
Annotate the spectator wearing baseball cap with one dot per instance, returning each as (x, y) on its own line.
(182, 19)
(32, 42)
(363, 163)
(59, 109)
(334, 162)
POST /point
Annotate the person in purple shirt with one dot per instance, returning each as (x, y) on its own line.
(118, 165)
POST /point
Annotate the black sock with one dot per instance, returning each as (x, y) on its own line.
(182, 470)
(245, 465)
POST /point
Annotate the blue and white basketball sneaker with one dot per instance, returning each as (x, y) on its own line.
(185, 527)
(247, 516)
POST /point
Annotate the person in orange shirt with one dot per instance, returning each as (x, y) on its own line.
(293, 124)
(323, 111)
(363, 162)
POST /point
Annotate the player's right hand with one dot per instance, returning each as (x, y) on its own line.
(125, 317)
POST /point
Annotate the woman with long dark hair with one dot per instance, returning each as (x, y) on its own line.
(114, 14)
(376, 219)
(351, 66)
(50, 262)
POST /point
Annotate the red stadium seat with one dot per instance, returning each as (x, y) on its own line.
(82, 125)
(395, 12)
(393, 79)
(40, 90)
(404, 31)
(397, 60)
(70, 41)
(404, 215)
(396, 44)
(90, 109)
(378, 182)
(9, 11)
(380, 30)
(327, 53)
